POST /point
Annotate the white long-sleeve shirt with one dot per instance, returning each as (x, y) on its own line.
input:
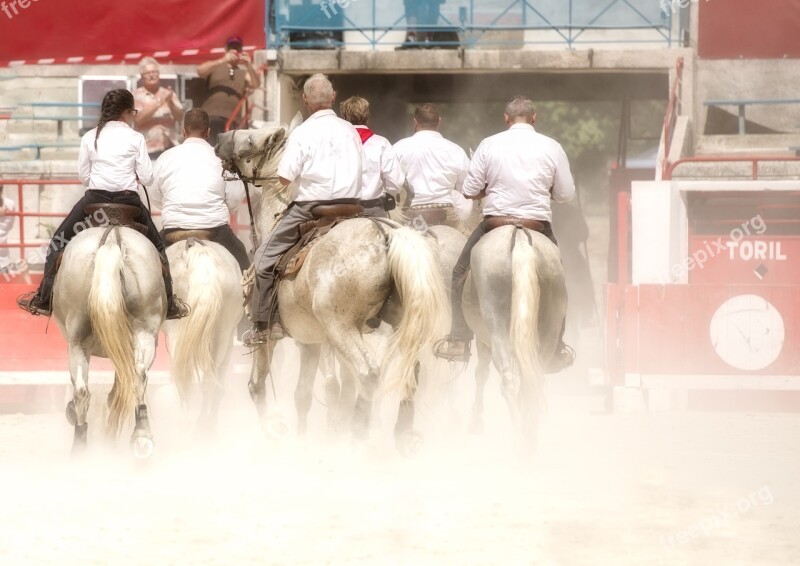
(518, 167)
(433, 166)
(381, 168)
(120, 157)
(323, 159)
(189, 188)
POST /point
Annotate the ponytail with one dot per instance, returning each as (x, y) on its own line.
(115, 103)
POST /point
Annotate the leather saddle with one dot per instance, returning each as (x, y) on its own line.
(326, 216)
(117, 214)
(179, 235)
(493, 222)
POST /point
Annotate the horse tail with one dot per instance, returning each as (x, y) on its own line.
(194, 339)
(112, 328)
(417, 276)
(524, 332)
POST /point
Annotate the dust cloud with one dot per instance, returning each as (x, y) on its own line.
(660, 488)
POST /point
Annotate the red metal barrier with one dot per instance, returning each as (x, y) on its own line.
(24, 242)
(754, 159)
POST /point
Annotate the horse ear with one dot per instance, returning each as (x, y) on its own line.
(296, 121)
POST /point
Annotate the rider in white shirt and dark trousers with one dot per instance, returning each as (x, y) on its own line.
(518, 171)
(382, 176)
(190, 191)
(433, 165)
(112, 159)
(322, 163)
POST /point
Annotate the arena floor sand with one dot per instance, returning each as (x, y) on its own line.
(669, 488)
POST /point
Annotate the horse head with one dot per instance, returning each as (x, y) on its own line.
(254, 156)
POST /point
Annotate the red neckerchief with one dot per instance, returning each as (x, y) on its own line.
(365, 134)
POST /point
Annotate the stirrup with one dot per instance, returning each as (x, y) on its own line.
(257, 336)
(442, 349)
(562, 359)
(25, 302)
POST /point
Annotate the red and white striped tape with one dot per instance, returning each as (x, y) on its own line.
(129, 58)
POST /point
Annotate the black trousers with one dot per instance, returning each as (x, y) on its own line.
(224, 236)
(78, 219)
(459, 329)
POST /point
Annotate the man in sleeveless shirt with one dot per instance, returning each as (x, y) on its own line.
(228, 80)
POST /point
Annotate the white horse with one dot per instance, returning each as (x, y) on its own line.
(347, 279)
(109, 301)
(208, 276)
(515, 299)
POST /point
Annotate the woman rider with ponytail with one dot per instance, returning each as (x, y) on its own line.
(112, 158)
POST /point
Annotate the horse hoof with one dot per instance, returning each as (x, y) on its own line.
(142, 445)
(410, 443)
(277, 428)
(72, 415)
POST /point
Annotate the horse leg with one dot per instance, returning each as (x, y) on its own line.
(142, 438)
(353, 351)
(346, 406)
(78, 408)
(510, 381)
(274, 427)
(481, 377)
(213, 389)
(303, 395)
(327, 366)
(407, 440)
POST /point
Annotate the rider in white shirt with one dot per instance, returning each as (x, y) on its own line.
(518, 171)
(433, 165)
(190, 191)
(382, 177)
(322, 163)
(112, 160)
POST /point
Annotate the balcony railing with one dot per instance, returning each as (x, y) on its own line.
(382, 24)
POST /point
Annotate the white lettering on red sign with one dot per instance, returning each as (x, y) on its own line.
(747, 250)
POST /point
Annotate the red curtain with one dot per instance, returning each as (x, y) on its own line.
(32, 30)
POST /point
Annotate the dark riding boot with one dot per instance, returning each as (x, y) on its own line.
(39, 302)
(176, 308)
(564, 356)
(263, 332)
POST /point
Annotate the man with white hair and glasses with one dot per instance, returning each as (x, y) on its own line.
(518, 171)
(322, 162)
(159, 108)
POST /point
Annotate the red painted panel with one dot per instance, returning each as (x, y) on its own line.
(730, 29)
(771, 260)
(28, 344)
(675, 333)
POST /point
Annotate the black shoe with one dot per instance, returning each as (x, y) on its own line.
(562, 359)
(177, 309)
(30, 302)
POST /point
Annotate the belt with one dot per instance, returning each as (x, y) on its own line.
(431, 206)
(373, 202)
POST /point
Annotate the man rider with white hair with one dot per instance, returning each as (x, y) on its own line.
(518, 171)
(322, 163)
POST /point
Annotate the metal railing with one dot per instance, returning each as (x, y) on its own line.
(370, 23)
(671, 117)
(26, 242)
(753, 159)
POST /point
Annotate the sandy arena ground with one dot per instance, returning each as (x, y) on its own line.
(668, 488)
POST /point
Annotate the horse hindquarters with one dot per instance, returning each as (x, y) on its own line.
(111, 326)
